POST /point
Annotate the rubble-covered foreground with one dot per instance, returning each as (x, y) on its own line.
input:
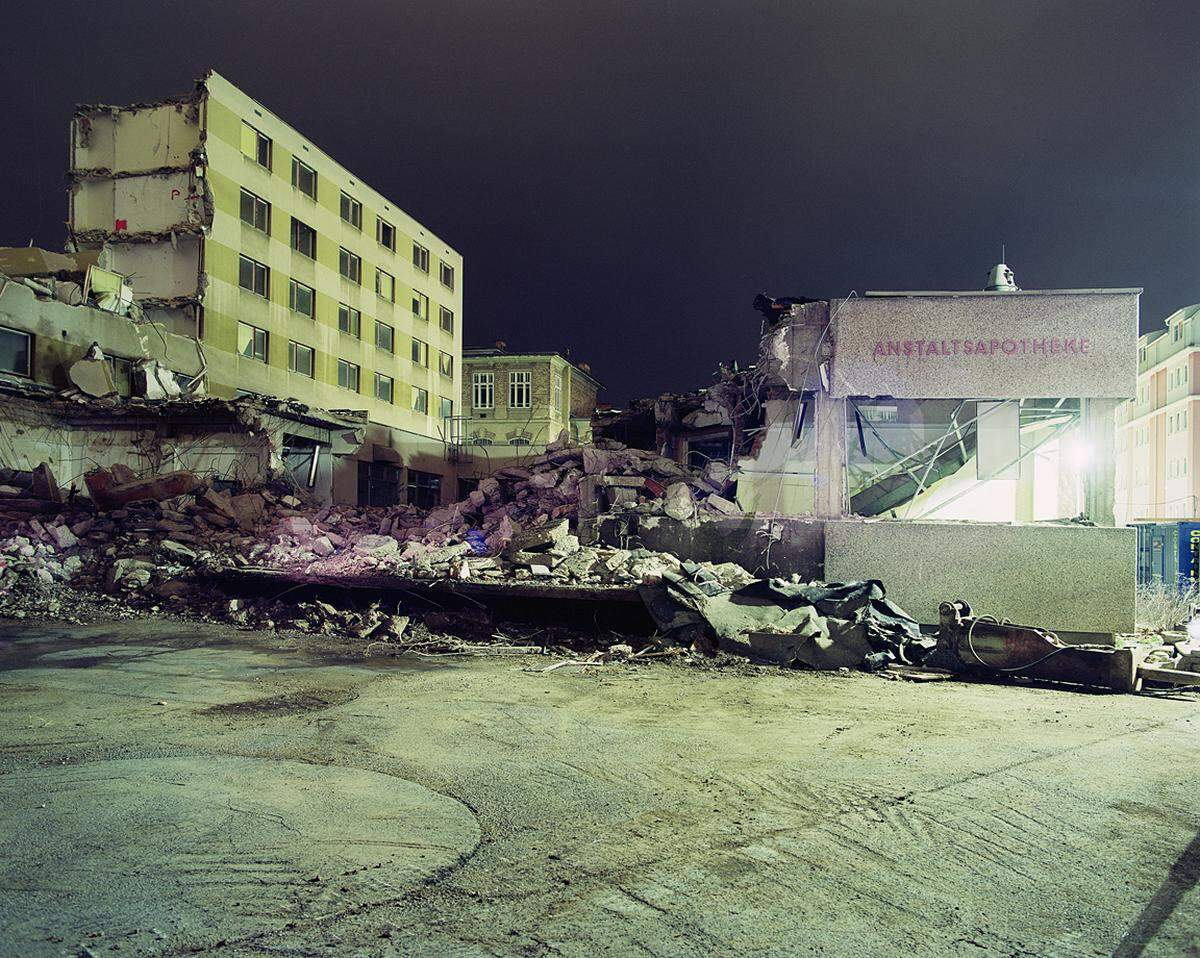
(162, 543)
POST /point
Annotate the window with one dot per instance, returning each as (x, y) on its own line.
(300, 358)
(256, 211)
(352, 211)
(447, 319)
(556, 394)
(347, 375)
(385, 337)
(385, 285)
(420, 400)
(420, 305)
(446, 275)
(1176, 332)
(424, 489)
(519, 390)
(254, 276)
(483, 390)
(15, 351)
(350, 265)
(256, 146)
(302, 299)
(420, 257)
(252, 342)
(378, 484)
(518, 440)
(420, 353)
(304, 178)
(349, 320)
(304, 239)
(445, 364)
(385, 387)
(447, 407)
(385, 232)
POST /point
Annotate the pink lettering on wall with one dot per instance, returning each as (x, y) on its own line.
(921, 349)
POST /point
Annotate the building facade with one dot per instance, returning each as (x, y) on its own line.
(1156, 438)
(513, 404)
(298, 279)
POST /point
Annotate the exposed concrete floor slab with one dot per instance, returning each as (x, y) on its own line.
(635, 811)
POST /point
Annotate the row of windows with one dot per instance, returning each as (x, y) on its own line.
(256, 277)
(1177, 468)
(520, 390)
(1177, 422)
(253, 343)
(258, 147)
(256, 212)
(1177, 376)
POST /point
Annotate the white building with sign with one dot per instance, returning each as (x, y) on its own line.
(959, 445)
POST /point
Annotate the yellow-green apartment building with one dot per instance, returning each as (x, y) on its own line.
(298, 279)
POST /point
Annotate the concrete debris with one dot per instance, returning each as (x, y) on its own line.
(165, 541)
(117, 486)
(93, 377)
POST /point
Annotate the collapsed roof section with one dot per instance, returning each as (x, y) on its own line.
(249, 441)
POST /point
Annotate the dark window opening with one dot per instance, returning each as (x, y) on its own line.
(705, 449)
(15, 352)
(378, 484)
(424, 489)
(302, 457)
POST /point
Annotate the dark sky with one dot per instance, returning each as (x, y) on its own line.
(623, 177)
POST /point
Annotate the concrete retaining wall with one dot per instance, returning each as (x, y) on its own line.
(796, 545)
(1078, 579)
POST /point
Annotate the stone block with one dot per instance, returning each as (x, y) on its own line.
(1066, 578)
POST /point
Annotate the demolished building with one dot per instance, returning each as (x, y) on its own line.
(952, 444)
(138, 401)
(299, 279)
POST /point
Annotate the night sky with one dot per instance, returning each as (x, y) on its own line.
(623, 177)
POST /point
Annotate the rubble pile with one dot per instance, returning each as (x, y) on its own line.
(159, 541)
(134, 536)
(515, 524)
(155, 541)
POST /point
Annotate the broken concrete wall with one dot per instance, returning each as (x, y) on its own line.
(778, 479)
(166, 268)
(62, 334)
(1068, 578)
(31, 433)
(781, 546)
(151, 203)
(793, 351)
(135, 139)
